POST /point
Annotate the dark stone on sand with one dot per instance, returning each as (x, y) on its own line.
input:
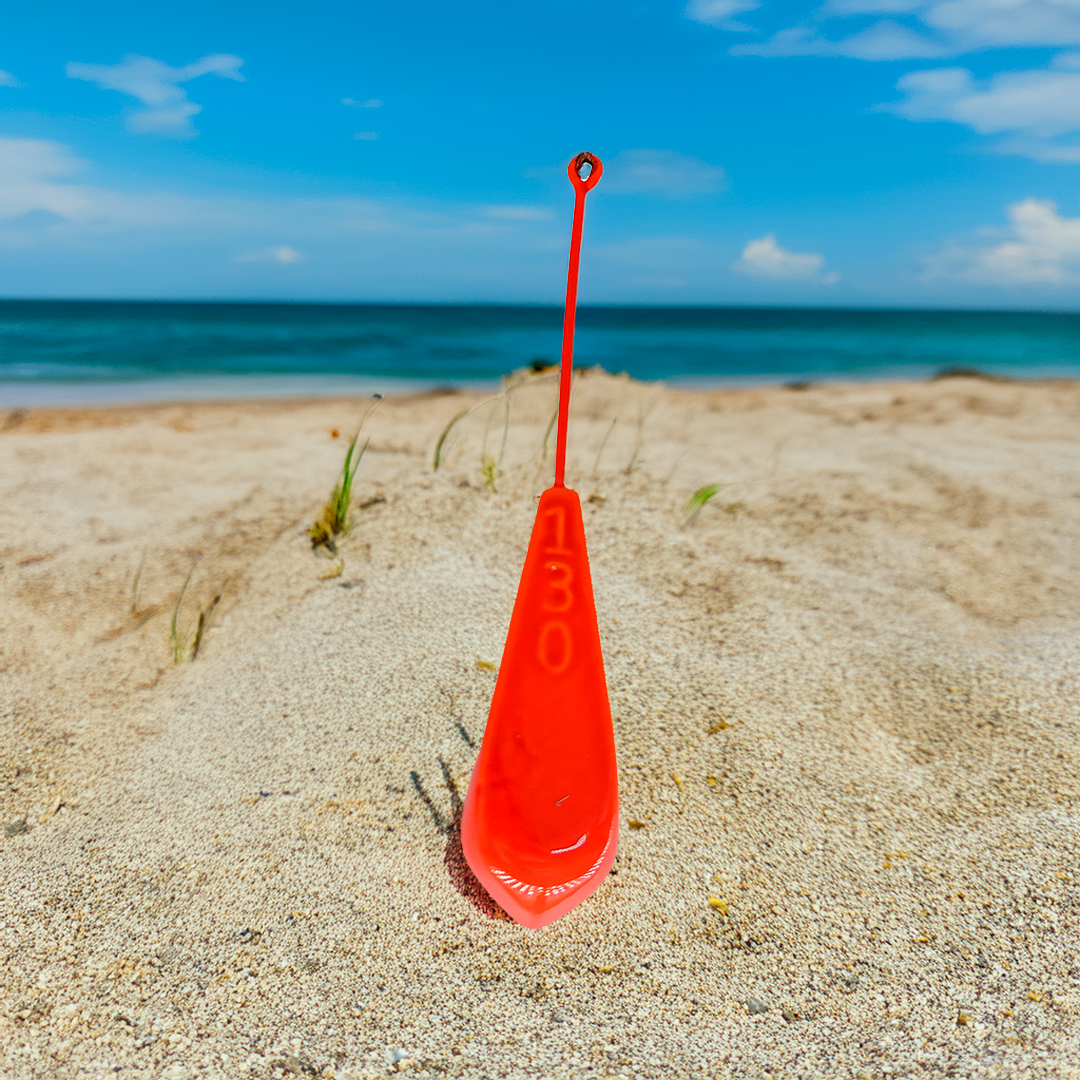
(961, 372)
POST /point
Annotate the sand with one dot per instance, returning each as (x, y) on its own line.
(847, 713)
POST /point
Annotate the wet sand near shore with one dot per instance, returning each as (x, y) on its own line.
(846, 696)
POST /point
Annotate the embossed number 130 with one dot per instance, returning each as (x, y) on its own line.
(555, 646)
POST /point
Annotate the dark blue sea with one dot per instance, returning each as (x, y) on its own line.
(87, 352)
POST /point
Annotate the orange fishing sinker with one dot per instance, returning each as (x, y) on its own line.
(540, 824)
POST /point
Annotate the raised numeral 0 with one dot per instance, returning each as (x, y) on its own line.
(555, 648)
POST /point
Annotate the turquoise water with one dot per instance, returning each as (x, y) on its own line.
(76, 351)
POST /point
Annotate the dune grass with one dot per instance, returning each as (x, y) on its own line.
(444, 444)
(698, 501)
(437, 460)
(334, 519)
(490, 470)
(204, 622)
(333, 522)
(176, 637)
(135, 585)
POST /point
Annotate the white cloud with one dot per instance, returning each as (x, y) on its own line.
(660, 172)
(7, 79)
(279, 254)
(987, 23)
(944, 28)
(34, 182)
(1044, 103)
(720, 12)
(882, 41)
(962, 26)
(765, 258)
(518, 213)
(370, 103)
(167, 108)
(1040, 248)
(871, 7)
(37, 182)
(1035, 106)
(64, 233)
(29, 172)
(366, 136)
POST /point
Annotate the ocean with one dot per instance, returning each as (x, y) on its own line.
(86, 352)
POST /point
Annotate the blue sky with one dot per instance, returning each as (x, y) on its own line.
(867, 152)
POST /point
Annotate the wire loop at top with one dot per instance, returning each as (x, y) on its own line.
(586, 183)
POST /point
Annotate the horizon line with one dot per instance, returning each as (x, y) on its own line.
(639, 305)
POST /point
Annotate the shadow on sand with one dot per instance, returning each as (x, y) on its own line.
(458, 869)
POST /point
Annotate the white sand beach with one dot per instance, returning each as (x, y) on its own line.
(846, 700)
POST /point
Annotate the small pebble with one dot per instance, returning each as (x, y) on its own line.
(755, 1006)
(16, 828)
(790, 1015)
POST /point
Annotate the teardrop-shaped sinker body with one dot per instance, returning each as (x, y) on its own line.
(540, 822)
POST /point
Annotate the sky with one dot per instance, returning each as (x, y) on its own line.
(845, 153)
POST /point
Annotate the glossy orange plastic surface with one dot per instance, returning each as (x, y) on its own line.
(541, 819)
(540, 823)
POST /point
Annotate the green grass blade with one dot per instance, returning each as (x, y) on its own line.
(698, 500)
(443, 437)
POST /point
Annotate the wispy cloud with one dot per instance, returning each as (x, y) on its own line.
(1042, 103)
(30, 179)
(7, 79)
(765, 258)
(36, 181)
(366, 136)
(370, 103)
(1040, 247)
(280, 254)
(720, 12)
(942, 28)
(167, 110)
(1041, 150)
(1036, 107)
(58, 230)
(666, 173)
(883, 41)
(980, 24)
